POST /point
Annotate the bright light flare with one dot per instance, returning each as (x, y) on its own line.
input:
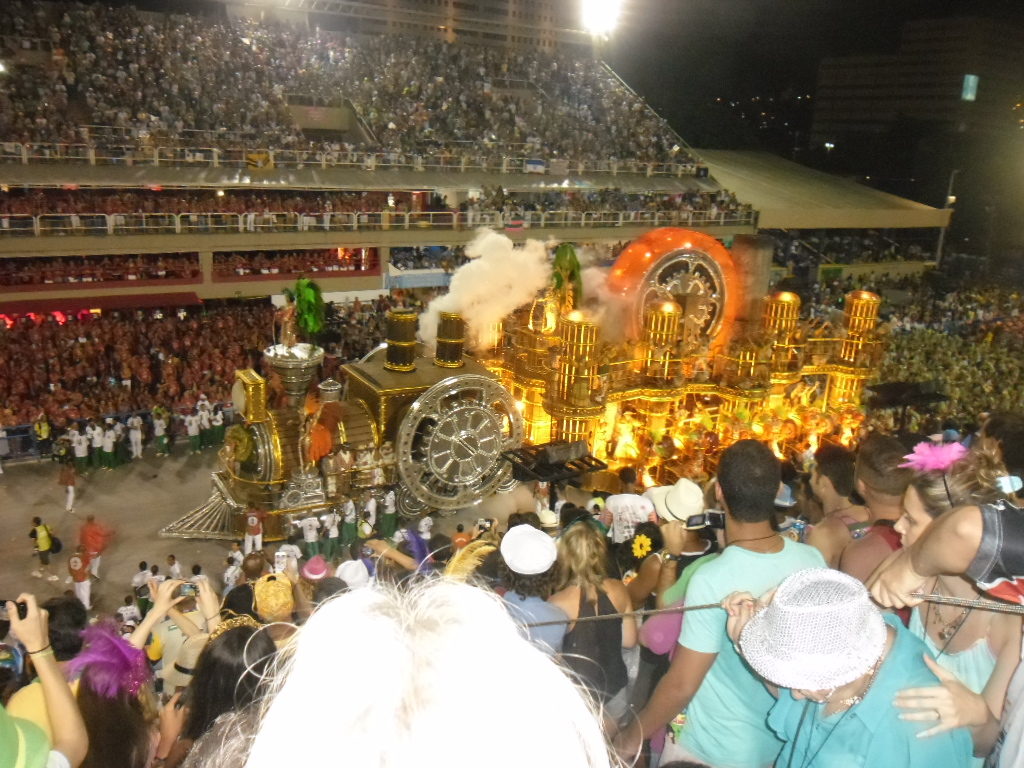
(600, 17)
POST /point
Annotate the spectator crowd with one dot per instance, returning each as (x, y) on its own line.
(34, 271)
(217, 82)
(783, 656)
(247, 263)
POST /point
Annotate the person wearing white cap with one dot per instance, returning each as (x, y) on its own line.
(725, 705)
(529, 574)
(835, 664)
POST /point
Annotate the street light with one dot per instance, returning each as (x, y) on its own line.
(600, 17)
(949, 202)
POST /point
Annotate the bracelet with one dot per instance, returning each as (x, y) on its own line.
(45, 648)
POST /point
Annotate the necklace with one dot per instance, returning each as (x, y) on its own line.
(754, 538)
(947, 630)
(857, 698)
(848, 703)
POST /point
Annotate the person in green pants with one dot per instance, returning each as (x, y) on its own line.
(331, 523)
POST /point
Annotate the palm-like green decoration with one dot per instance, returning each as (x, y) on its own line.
(567, 276)
(309, 306)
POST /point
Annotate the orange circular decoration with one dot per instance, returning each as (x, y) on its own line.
(652, 250)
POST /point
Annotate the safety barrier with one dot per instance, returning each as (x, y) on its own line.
(102, 224)
(128, 153)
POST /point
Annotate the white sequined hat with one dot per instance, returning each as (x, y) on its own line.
(819, 632)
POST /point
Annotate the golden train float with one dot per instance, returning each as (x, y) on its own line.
(658, 362)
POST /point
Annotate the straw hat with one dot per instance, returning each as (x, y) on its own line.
(179, 673)
(677, 502)
(820, 631)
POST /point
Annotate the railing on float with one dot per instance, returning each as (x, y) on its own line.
(128, 153)
(101, 224)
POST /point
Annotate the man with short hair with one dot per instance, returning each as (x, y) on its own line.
(832, 483)
(95, 434)
(80, 448)
(881, 481)
(709, 694)
(94, 537)
(240, 600)
(173, 568)
(78, 570)
(254, 517)
(44, 544)
(135, 435)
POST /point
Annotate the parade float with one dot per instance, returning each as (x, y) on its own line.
(657, 362)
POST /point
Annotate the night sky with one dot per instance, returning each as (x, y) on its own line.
(681, 54)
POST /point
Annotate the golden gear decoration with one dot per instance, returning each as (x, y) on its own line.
(239, 437)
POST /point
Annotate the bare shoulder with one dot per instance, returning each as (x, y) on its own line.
(617, 593)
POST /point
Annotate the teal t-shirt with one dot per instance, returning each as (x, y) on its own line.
(732, 700)
(870, 734)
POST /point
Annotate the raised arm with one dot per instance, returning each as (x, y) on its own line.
(948, 546)
(69, 735)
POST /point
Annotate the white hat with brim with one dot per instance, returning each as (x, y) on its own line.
(179, 675)
(677, 502)
(528, 551)
(820, 631)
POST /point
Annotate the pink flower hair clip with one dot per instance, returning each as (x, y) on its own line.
(929, 457)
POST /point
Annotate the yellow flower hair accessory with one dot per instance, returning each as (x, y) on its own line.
(641, 546)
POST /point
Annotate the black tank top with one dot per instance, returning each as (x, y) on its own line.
(593, 649)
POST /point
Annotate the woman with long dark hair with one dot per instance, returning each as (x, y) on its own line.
(228, 677)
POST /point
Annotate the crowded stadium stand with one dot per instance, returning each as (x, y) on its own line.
(154, 162)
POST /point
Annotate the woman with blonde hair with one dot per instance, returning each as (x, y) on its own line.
(593, 649)
(421, 704)
(980, 648)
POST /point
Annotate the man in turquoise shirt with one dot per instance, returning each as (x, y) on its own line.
(719, 707)
(839, 664)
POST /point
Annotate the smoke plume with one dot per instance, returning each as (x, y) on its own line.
(611, 311)
(498, 278)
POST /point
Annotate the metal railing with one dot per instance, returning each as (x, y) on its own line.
(103, 224)
(129, 153)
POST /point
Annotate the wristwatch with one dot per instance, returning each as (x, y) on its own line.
(666, 556)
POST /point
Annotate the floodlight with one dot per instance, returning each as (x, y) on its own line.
(601, 16)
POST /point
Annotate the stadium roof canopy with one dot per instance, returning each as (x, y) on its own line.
(791, 196)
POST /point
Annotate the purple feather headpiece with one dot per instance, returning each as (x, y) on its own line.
(418, 548)
(929, 457)
(109, 664)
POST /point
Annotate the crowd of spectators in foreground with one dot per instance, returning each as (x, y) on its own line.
(33, 271)
(204, 81)
(783, 657)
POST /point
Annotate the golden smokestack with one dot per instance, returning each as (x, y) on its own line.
(451, 339)
(401, 351)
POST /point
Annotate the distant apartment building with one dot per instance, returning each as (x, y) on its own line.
(963, 75)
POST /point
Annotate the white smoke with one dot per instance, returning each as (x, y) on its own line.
(499, 278)
(611, 311)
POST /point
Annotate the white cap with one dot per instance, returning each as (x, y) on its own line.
(353, 573)
(528, 551)
(820, 631)
(677, 502)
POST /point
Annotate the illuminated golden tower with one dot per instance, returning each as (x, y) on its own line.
(856, 352)
(572, 408)
(661, 333)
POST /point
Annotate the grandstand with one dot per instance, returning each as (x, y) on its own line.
(166, 159)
